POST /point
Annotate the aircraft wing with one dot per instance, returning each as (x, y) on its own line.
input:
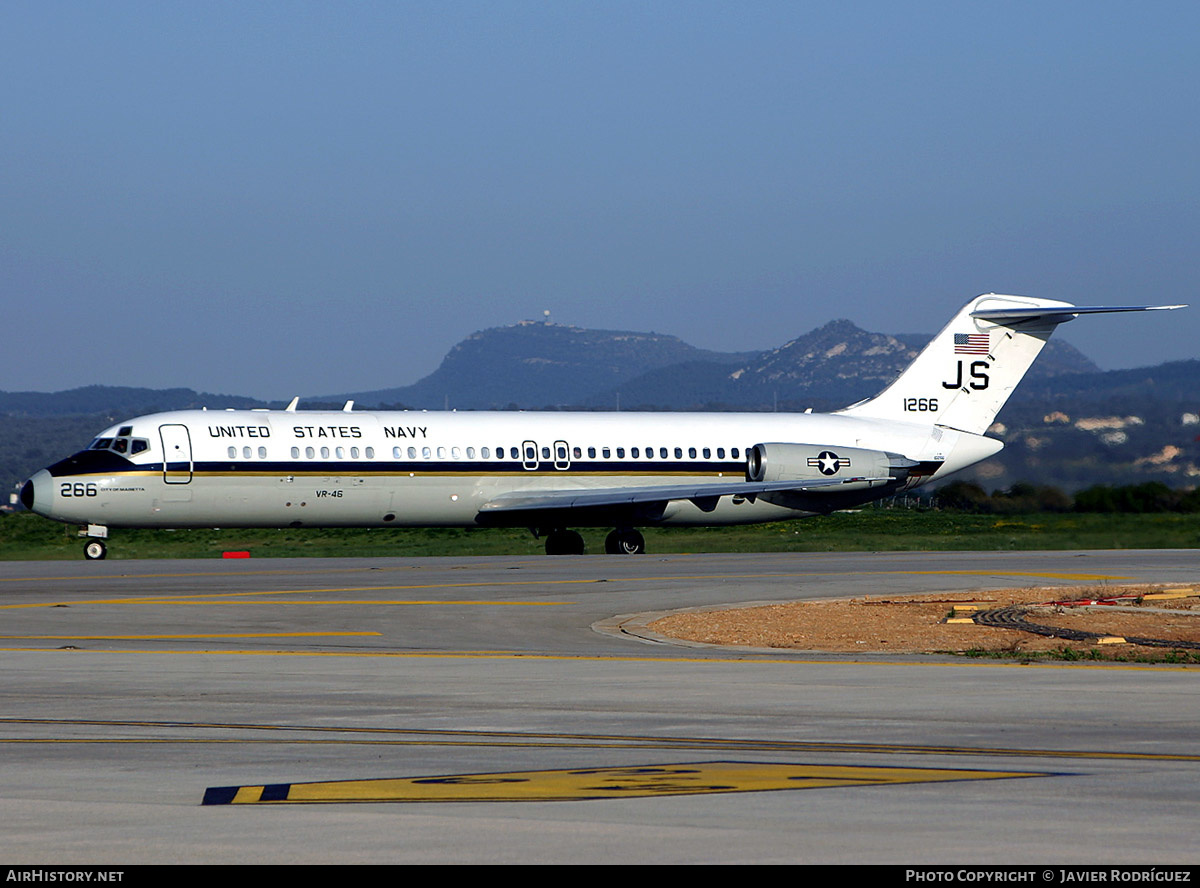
(599, 497)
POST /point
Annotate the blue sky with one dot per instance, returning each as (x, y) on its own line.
(307, 198)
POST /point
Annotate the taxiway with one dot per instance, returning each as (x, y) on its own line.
(473, 710)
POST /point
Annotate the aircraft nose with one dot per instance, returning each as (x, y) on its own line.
(35, 492)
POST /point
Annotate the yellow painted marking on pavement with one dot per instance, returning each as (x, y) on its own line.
(348, 601)
(247, 794)
(692, 778)
(730, 659)
(262, 598)
(280, 571)
(357, 735)
(1054, 575)
(193, 635)
(224, 597)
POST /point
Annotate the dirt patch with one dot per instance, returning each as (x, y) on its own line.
(922, 623)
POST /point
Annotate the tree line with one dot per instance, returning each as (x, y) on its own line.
(1150, 496)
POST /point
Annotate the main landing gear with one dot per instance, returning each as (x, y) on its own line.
(564, 542)
(625, 541)
(622, 541)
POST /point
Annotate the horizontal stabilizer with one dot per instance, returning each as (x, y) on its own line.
(1057, 315)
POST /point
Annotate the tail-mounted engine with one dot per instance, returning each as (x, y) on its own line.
(858, 469)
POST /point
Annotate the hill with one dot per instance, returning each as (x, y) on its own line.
(537, 365)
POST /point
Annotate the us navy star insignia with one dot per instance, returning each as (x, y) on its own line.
(827, 462)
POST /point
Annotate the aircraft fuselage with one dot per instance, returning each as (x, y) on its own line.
(202, 468)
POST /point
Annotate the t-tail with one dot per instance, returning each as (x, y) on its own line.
(966, 374)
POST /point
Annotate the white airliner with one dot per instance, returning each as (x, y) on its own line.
(553, 471)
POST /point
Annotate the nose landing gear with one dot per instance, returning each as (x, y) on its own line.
(95, 548)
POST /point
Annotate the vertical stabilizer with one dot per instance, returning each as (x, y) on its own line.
(966, 374)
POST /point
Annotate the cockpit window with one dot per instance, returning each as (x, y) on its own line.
(121, 445)
(125, 431)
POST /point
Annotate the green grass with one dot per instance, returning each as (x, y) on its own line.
(1181, 657)
(28, 537)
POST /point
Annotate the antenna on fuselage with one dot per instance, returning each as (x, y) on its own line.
(349, 408)
(291, 408)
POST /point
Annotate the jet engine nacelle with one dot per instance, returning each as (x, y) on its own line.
(819, 462)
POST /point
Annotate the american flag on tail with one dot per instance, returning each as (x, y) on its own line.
(971, 343)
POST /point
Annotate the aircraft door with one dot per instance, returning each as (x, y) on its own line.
(529, 455)
(177, 453)
(562, 456)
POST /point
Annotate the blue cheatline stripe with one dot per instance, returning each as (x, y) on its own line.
(391, 467)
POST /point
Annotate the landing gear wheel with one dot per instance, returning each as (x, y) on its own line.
(94, 550)
(625, 542)
(564, 542)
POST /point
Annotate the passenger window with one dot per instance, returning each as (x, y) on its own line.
(470, 453)
(441, 452)
(620, 453)
(707, 453)
(679, 453)
(591, 453)
(634, 452)
(516, 454)
(691, 453)
(456, 453)
(295, 453)
(341, 452)
(262, 453)
(232, 452)
(662, 453)
(577, 453)
(485, 453)
(605, 452)
(545, 453)
(426, 453)
(396, 452)
(720, 453)
(561, 451)
(734, 453)
(309, 452)
(370, 453)
(354, 453)
(324, 453)
(246, 452)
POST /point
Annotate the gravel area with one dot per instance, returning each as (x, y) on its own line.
(931, 623)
